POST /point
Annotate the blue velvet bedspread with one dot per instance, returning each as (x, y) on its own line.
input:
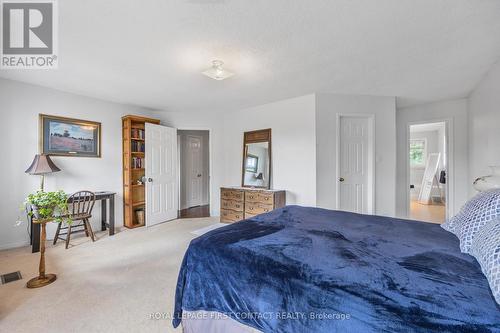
(302, 269)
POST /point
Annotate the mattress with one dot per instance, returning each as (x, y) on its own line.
(301, 269)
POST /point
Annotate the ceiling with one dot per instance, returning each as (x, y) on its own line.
(151, 52)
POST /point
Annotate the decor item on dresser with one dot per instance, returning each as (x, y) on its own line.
(238, 203)
(489, 182)
(256, 170)
(134, 156)
(42, 165)
(69, 137)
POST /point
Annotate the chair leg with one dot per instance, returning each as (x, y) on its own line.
(57, 233)
(68, 235)
(89, 227)
(85, 227)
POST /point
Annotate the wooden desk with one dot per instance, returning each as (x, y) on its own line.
(105, 198)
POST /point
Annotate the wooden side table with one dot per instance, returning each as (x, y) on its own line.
(42, 279)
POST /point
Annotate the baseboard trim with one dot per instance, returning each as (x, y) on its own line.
(14, 245)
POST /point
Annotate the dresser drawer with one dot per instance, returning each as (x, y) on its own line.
(255, 208)
(250, 215)
(260, 197)
(231, 194)
(230, 216)
(235, 205)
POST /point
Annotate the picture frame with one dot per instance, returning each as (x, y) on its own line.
(61, 136)
(252, 163)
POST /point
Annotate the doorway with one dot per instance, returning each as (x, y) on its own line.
(428, 171)
(355, 163)
(194, 196)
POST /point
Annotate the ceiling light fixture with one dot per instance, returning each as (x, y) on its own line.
(216, 72)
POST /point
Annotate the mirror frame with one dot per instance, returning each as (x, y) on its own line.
(257, 136)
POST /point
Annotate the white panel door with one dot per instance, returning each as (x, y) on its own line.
(161, 174)
(353, 165)
(194, 170)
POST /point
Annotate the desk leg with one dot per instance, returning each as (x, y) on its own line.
(30, 221)
(104, 214)
(35, 237)
(112, 215)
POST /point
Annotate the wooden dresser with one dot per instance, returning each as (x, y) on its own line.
(238, 203)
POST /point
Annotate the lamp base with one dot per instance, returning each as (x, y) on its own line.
(41, 282)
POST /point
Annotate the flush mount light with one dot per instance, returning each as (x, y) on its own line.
(216, 72)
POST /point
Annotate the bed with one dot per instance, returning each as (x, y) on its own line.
(300, 269)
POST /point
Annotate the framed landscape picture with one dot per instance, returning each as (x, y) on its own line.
(69, 137)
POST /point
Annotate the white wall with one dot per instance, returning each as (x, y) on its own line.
(293, 145)
(484, 126)
(20, 105)
(455, 112)
(205, 151)
(384, 110)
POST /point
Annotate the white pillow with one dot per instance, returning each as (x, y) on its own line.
(478, 211)
(486, 249)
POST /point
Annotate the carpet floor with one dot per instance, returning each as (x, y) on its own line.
(123, 283)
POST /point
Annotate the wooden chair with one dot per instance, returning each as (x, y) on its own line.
(80, 206)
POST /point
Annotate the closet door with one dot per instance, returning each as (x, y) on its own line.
(161, 174)
(355, 164)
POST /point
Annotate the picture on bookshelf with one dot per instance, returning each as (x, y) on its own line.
(69, 137)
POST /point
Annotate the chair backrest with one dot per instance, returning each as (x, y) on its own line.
(81, 202)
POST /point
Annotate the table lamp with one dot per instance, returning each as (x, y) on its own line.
(42, 165)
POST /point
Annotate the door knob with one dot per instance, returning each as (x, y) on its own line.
(150, 180)
(199, 175)
(341, 179)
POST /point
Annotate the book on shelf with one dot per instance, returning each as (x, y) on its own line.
(137, 133)
(137, 163)
(138, 146)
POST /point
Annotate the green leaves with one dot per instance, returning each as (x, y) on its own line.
(48, 205)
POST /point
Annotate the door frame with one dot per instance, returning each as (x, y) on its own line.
(210, 166)
(190, 204)
(371, 158)
(450, 163)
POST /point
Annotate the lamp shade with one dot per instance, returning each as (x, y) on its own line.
(41, 165)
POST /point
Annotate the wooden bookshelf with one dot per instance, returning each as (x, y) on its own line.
(134, 146)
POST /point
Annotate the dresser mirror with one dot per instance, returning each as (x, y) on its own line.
(256, 171)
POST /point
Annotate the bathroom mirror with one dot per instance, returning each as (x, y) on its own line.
(256, 171)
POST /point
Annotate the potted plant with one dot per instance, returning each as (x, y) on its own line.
(48, 205)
